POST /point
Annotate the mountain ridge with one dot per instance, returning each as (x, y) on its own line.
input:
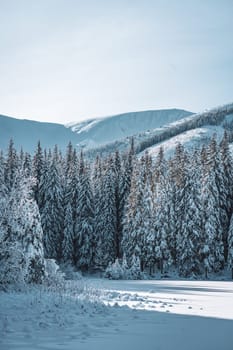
(94, 132)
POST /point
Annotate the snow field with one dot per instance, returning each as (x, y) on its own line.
(100, 314)
(199, 298)
(38, 316)
(190, 139)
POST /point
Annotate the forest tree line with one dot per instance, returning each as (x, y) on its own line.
(173, 214)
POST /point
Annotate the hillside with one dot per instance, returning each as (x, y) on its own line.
(102, 136)
(191, 131)
(88, 134)
(100, 131)
(26, 134)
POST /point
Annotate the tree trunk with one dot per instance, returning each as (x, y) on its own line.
(206, 273)
(161, 266)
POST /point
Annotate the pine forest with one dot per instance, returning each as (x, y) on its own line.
(123, 216)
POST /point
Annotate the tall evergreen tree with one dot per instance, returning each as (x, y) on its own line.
(227, 202)
(12, 166)
(230, 247)
(37, 169)
(68, 239)
(133, 237)
(52, 212)
(84, 226)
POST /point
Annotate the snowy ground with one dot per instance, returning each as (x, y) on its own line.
(158, 315)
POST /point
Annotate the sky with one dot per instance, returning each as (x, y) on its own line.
(70, 60)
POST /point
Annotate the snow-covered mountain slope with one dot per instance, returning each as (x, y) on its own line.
(150, 129)
(192, 130)
(26, 134)
(97, 132)
(190, 139)
(87, 134)
(209, 123)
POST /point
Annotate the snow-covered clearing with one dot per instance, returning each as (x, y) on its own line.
(190, 139)
(137, 314)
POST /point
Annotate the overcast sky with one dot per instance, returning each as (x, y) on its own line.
(66, 60)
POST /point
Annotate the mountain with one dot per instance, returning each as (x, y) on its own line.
(191, 131)
(26, 134)
(150, 130)
(88, 134)
(101, 131)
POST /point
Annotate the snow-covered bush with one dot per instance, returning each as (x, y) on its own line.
(114, 271)
(70, 273)
(53, 275)
(36, 270)
(13, 265)
(117, 270)
(135, 270)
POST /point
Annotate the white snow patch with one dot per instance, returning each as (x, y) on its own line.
(152, 315)
(189, 139)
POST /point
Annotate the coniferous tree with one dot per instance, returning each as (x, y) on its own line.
(213, 244)
(230, 247)
(11, 167)
(227, 202)
(214, 197)
(3, 188)
(116, 179)
(190, 244)
(106, 220)
(125, 185)
(52, 212)
(84, 226)
(22, 230)
(37, 170)
(133, 237)
(68, 240)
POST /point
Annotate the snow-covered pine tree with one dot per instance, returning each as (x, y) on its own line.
(177, 182)
(227, 204)
(98, 187)
(147, 225)
(214, 197)
(68, 240)
(33, 234)
(190, 240)
(106, 224)
(27, 165)
(3, 188)
(160, 167)
(212, 249)
(84, 225)
(163, 223)
(11, 166)
(37, 170)
(230, 247)
(52, 211)
(116, 179)
(133, 235)
(127, 166)
(70, 200)
(22, 230)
